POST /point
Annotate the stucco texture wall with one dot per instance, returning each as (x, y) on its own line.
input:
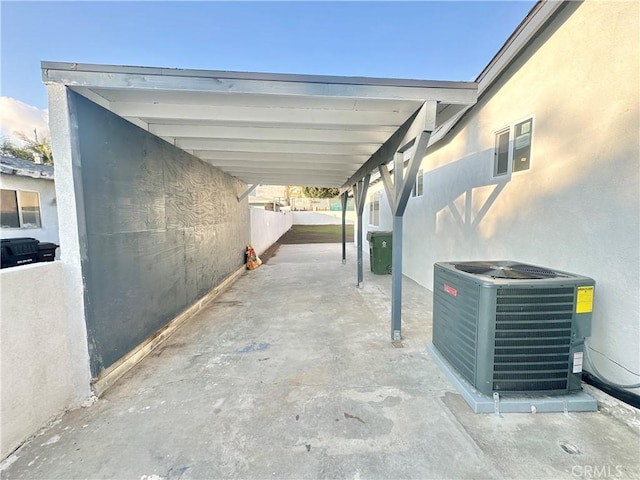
(42, 370)
(48, 210)
(162, 229)
(577, 208)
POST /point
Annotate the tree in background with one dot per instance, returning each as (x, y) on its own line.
(320, 192)
(32, 147)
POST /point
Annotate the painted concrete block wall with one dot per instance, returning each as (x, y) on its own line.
(48, 210)
(267, 227)
(162, 229)
(577, 208)
(40, 363)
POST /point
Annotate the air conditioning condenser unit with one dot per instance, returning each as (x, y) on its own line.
(511, 327)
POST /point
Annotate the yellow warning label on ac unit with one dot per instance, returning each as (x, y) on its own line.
(584, 300)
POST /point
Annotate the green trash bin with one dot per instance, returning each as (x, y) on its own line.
(380, 251)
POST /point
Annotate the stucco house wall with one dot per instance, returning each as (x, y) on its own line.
(577, 207)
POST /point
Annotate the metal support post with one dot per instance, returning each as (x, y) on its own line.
(403, 184)
(359, 196)
(360, 269)
(343, 200)
(247, 192)
(396, 280)
(412, 137)
(396, 250)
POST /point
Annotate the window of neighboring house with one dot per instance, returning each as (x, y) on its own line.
(374, 210)
(418, 187)
(513, 156)
(20, 209)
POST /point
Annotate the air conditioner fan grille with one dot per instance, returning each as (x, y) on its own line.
(532, 339)
(507, 270)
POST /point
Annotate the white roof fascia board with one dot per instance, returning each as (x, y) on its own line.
(528, 29)
(235, 82)
(259, 76)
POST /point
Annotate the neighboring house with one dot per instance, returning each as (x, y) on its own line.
(265, 203)
(269, 197)
(544, 169)
(28, 202)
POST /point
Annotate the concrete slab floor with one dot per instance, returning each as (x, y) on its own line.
(291, 374)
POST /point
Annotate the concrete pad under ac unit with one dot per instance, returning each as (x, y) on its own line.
(511, 403)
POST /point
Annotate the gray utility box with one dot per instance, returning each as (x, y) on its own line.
(511, 327)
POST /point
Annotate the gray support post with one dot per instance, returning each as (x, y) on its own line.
(396, 280)
(343, 200)
(360, 280)
(396, 250)
(403, 185)
(360, 195)
(388, 185)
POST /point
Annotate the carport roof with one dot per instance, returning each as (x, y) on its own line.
(265, 128)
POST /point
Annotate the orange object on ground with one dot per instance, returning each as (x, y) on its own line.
(253, 261)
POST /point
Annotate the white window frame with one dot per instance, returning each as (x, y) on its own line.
(20, 213)
(496, 145)
(510, 130)
(374, 219)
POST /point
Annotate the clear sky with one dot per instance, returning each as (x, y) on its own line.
(425, 40)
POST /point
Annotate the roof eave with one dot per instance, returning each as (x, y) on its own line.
(48, 67)
(530, 27)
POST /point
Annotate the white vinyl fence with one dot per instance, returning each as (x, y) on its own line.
(267, 227)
